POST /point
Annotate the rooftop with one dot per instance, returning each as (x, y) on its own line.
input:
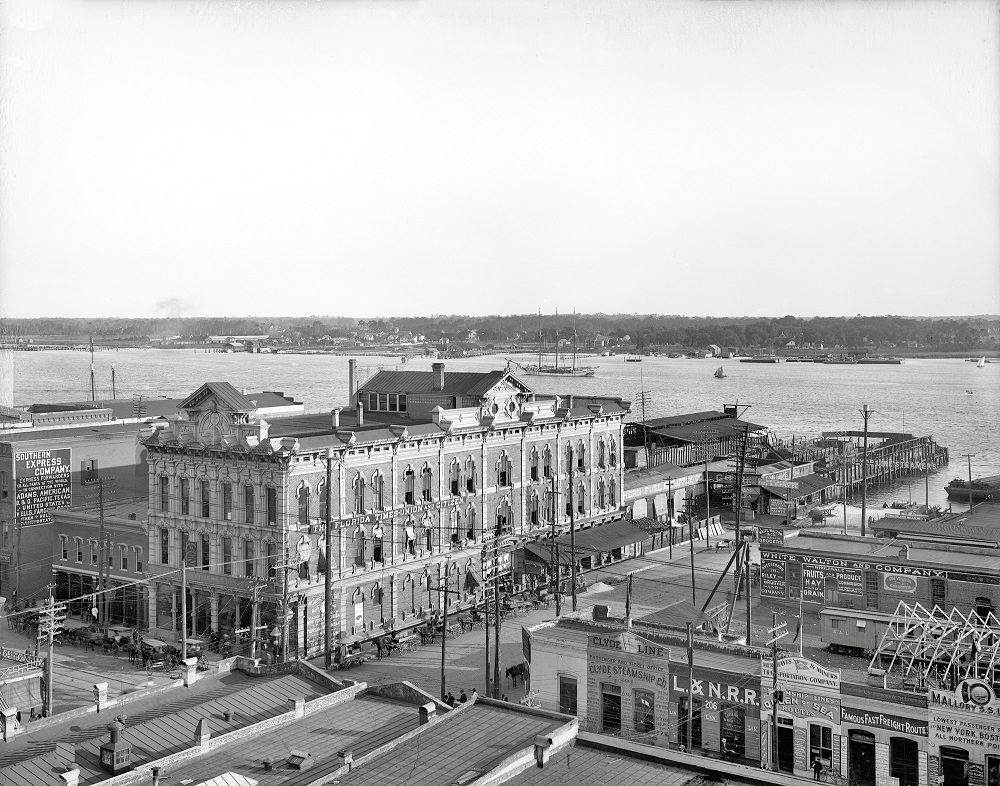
(463, 383)
(941, 556)
(157, 725)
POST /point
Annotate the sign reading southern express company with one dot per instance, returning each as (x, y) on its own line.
(43, 482)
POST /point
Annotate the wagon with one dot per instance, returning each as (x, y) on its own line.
(158, 654)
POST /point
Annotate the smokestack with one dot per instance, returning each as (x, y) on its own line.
(361, 414)
(336, 416)
(352, 379)
(438, 369)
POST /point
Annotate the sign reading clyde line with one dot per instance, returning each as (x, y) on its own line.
(43, 481)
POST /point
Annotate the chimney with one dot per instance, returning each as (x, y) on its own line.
(427, 712)
(542, 745)
(202, 733)
(336, 416)
(346, 759)
(116, 755)
(298, 706)
(352, 379)
(361, 414)
(438, 369)
(156, 776)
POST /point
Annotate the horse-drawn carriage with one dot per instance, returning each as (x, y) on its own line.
(156, 654)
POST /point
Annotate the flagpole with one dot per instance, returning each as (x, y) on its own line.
(628, 603)
(801, 631)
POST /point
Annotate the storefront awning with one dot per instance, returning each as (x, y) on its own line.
(606, 537)
(473, 578)
(807, 486)
(543, 552)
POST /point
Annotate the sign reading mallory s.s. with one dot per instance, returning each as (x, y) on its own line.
(43, 481)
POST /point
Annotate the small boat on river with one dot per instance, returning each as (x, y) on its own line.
(982, 488)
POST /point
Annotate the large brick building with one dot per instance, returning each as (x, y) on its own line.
(421, 472)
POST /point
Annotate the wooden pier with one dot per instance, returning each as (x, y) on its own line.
(891, 455)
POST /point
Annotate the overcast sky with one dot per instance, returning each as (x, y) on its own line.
(399, 158)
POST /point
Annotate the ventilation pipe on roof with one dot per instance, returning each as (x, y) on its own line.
(156, 776)
(72, 777)
(571, 401)
(361, 414)
(335, 413)
(438, 369)
(352, 379)
(427, 712)
(346, 759)
(542, 746)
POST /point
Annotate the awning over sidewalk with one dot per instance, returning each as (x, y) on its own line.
(807, 486)
(590, 541)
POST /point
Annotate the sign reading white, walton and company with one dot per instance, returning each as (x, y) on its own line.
(42, 482)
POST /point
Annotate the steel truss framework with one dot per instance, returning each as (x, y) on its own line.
(932, 645)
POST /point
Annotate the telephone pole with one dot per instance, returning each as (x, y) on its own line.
(102, 560)
(184, 608)
(572, 527)
(50, 623)
(328, 576)
(865, 413)
(776, 632)
(557, 567)
(255, 585)
(445, 592)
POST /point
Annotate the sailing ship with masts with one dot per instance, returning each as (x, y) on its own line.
(555, 370)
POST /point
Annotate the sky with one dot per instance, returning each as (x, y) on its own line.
(353, 158)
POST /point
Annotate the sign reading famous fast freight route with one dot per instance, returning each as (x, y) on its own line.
(43, 481)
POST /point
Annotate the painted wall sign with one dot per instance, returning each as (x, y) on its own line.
(772, 579)
(899, 583)
(972, 696)
(853, 564)
(802, 672)
(712, 687)
(813, 581)
(879, 720)
(948, 728)
(630, 643)
(806, 704)
(43, 481)
(770, 536)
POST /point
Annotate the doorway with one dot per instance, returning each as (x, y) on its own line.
(954, 766)
(861, 757)
(786, 747)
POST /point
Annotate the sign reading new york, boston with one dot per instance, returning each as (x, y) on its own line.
(43, 481)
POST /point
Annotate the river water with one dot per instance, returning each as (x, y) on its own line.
(924, 397)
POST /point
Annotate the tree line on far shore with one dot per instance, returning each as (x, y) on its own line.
(640, 331)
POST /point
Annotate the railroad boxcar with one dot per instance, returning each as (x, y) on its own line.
(852, 631)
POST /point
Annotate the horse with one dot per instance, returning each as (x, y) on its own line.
(518, 671)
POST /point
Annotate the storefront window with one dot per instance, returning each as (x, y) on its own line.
(734, 729)
(567, 695)
(611, 708)
(643, 713)
(992, 772)
(903, 760)
(820, 744)
(682, 725)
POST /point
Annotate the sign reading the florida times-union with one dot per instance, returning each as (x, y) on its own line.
(43, 481)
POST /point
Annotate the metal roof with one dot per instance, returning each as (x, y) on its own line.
(464, 383)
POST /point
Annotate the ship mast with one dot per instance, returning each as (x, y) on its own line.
(574, 339)
(557, 340)
(540, 342)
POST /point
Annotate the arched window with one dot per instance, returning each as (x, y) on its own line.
(600, 493)
(581, 498)
(534, 463)
(303, 500)
(321, 493)
(470, 475)
(533, 510)
(455, 522)
(612, 501)
(568, 496)
(613, 453)
(548, 506)
(359, 547)
(547, 462)
(470, 519)
(600, 453)
(427, 483)
(455, 477)
(409, 483)
(378, 490)
(410, 538)
(504, 519)
(503, 471)
(359, 494)
(569, 457)
(581, 457)
(429, 537)
(377, 536)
